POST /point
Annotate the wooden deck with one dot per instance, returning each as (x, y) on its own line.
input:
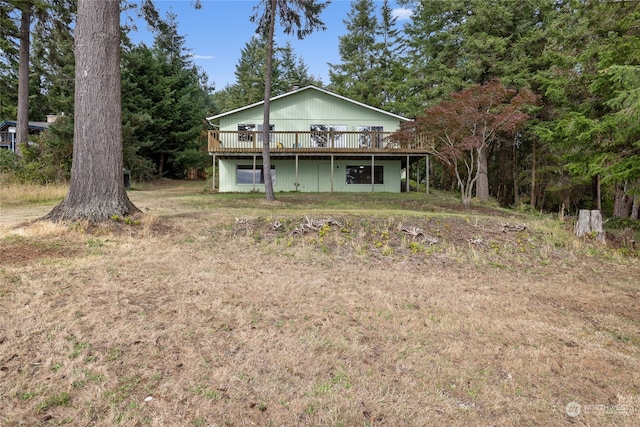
(310, 143)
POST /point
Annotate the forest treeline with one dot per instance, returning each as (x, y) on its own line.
(580, 59)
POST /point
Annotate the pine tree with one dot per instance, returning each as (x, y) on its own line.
(390, 70)
(164, 98)
(451, 44)
(52, 62)
(9, 46)
(592, 81)
(359, 54)
(288, 70)
(96, 192)
(22, 123)
(300, 17)
(291, 71)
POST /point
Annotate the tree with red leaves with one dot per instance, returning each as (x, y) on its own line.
(461, 130)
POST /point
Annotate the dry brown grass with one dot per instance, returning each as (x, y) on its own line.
(22, 194)
(208, 314)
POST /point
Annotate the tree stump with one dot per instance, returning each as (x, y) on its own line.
(590, 225)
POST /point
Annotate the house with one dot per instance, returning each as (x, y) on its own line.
(8, 133)
(319, 142)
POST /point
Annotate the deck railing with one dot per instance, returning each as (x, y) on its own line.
(310, 141)
(5, 139)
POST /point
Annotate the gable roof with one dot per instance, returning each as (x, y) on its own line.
(310, 87)
(33, 126)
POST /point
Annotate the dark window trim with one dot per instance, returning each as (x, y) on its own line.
(259, 171)
(361, 174)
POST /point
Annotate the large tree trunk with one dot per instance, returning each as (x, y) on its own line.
(482, 182)
(266, 131)
(514, 169)
(22, 125)
(621, 204)
(533, 199)
(96, 191)
(595, 193)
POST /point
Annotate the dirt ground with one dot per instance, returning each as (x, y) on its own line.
(215, 311)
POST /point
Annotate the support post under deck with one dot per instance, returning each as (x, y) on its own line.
(213, 172)
(408, 173)
(297, 173)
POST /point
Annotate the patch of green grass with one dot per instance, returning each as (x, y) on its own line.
(113, 353)
(28, 395)
(199, 422)
(321, 389)
(126, 385)
(56, 366)
(60, 399)
(77, 346)
(88, 377)
(206, 391)
(95, 243)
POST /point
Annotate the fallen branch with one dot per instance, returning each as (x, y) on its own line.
(313, 225)
(412, 231)
(479, 241)
(513, 227)
(417, 232)
(242, 225)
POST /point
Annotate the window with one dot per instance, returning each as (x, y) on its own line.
(245, 175)
(328, 136)
(319, 135)
(370, 136)
(245, 132)
(362, 175)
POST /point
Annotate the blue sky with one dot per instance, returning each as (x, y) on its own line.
(217, 32)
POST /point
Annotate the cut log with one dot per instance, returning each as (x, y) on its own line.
(590, 225)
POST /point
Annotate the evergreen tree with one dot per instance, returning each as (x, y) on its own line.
(301, 17)
(371, 70)
(164, 99)
(592, 82)
(288, 70)
(22, 122)
(353, 77)
(451, 44)
(52, 62)
(140, 72)
(291, 71)
(250, 81)
(96, 192)
(9, 58)
(390, 70)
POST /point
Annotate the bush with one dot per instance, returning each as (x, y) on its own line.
(8, 161)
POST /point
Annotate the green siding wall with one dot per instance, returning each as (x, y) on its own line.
(313, 176)
(300, 110)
